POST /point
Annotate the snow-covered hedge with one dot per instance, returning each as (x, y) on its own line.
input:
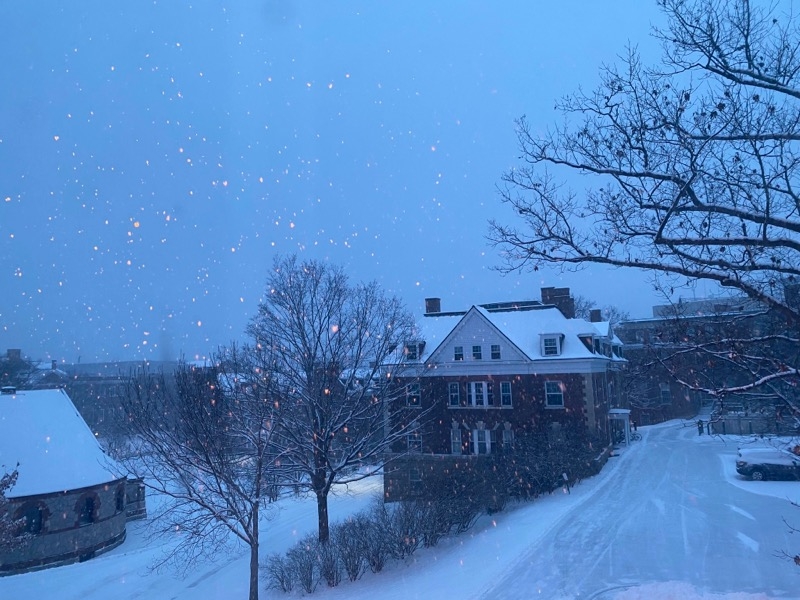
(367, 540)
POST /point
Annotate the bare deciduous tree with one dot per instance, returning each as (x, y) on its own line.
(612, 314)
(203, 439)
(333, 342)
(695, 168)
(9, 528)
(15, 370)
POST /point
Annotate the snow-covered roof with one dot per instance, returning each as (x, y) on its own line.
(56, 451)
(434, 330)
(523, 328)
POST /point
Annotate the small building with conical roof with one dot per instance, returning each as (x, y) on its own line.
(69, 498)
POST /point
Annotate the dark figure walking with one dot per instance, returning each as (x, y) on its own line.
(699, 427)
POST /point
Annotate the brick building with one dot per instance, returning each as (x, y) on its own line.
(705, 342)
(495, 372)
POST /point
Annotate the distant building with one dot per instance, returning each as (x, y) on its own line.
(496, 372)
(97, 390)
(665, 348)
(47, 377)
(71, 498)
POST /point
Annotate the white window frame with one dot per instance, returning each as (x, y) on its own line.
(473, 387)
(458, 353)
(551, 345)
(413, 390)
(455, 441)
(495, 352)
(481, 438)
(415, 478)
(549, 393)
(454, 393)
(506, 395)
(477, 352)
(412, 351)
(508, 440)
(414, 442)
(664, 395)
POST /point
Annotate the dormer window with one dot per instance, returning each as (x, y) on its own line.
(413, 350)
(552, 344)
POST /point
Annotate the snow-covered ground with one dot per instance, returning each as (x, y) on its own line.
(516, 554)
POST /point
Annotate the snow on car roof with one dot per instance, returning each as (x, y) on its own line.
(42, 431)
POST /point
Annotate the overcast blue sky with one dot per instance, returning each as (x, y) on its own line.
(155, 156)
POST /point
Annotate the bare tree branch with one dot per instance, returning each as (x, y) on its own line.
(694, 165)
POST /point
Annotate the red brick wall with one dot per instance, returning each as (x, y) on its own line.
(528, 412)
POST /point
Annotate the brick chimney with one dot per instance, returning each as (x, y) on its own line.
(595, 315)
(433, 305)
(560, 298)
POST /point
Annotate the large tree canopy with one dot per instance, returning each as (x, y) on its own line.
(203, 440)
(694, 166)
(333, 341)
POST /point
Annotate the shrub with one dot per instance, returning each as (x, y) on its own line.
(279, 573)
(376, 538)
(402, 524)
(351, 539)
(302, 558)
(436, 521)
(329, 563)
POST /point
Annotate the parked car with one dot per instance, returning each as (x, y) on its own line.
(760, 464)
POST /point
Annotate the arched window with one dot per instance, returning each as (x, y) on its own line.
(120, 498)
(87, 508)
(34, 518)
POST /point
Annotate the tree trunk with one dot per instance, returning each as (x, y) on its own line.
(322, 514)
(254, 556)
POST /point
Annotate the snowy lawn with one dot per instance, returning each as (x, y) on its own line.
(464, 566)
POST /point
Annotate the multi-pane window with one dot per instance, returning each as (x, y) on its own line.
(482, 441)
(554, 394)
(477, 393)
(476, 353)
(412, 352)
(455, 394)
(413, 397)
(505, 393)
(415, 478)
(455, 441)
(495, 351)
(458, 353)
(414, 442)
(550, 346)
(508, 440)
(666, 395)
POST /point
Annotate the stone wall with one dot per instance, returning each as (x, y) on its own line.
(69, 532)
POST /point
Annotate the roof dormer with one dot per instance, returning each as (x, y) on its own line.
(552, 344)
